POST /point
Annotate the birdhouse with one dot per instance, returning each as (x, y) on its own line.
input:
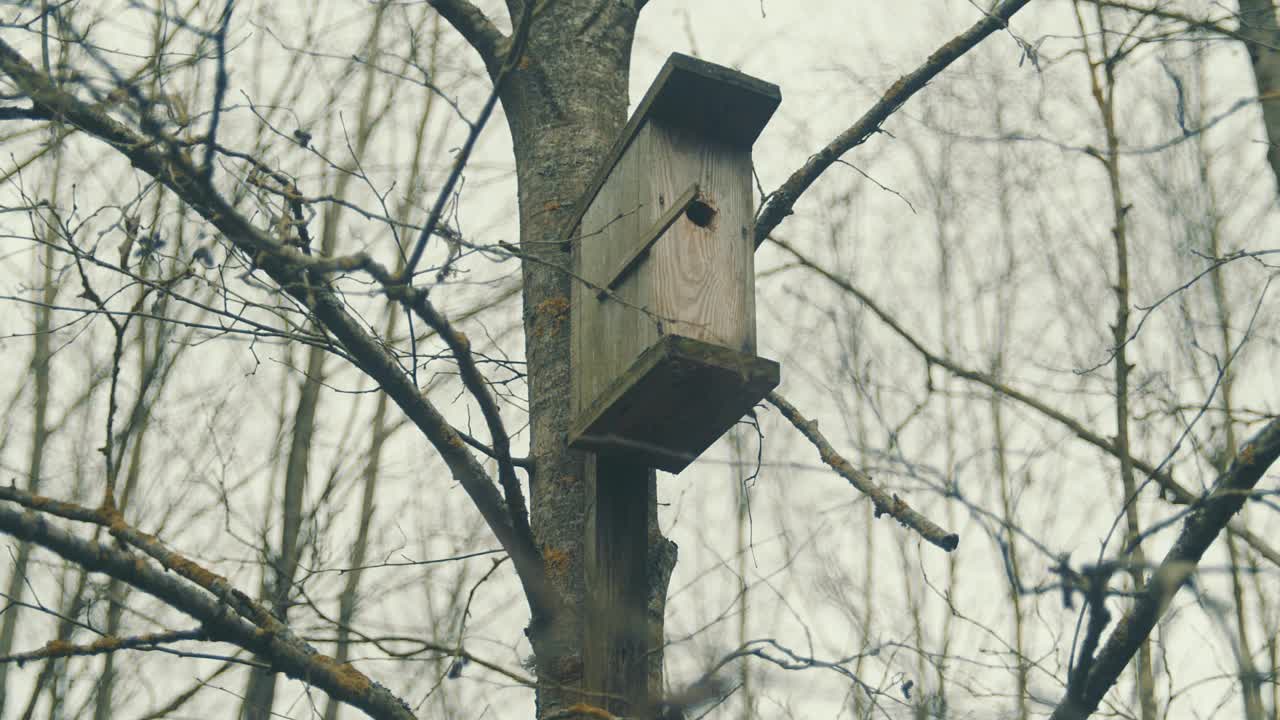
(663, 338)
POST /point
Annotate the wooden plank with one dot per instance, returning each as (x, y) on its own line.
(695, 126)
(635, 328)
(640, 248)
(615, 655)
(717, 102)
(592, 249)
(576, 336)
(703, 275)
(676, 400)
(610, 336)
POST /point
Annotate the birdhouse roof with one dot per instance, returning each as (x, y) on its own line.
(718, 102)
(714, 100)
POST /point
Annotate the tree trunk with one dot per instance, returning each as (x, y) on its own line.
(282, 567)
(565, 104)
(40, 360)
(349, 599)
(1261, 31)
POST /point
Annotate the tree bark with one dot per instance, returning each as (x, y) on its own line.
(41, 358)
(282, 566)
(565, 104)
(348, 601)
(1261, 33)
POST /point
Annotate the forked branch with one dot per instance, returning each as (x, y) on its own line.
(300, 276)
(476, 27)
(1179, 494)
(289, 655)
(1201, 527)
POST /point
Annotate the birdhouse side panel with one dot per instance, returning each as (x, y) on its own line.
(610, 333)
(703, 270)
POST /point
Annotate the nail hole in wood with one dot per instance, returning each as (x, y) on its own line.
(700, 213)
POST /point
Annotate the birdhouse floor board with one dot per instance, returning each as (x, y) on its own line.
(677, 399)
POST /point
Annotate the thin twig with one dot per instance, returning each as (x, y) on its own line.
(514, 53)
(1178, 493)
(103, 645)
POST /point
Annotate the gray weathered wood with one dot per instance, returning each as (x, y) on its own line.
(692, 93)
(712, 386)
(703, 278)
(609, 336)
(646, 241)
(615, 659)
(681, 172)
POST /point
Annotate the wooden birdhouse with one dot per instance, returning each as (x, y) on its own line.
(663, 340)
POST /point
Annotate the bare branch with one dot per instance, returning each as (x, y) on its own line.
(21, 113)
(105, 644)
(1261, 33)
(513, 54)
(1163, 12)
(288, 654)
(475, 26)
(779, 203)
(1175, 490)
(479, 388)
(886, 503)
(1199, 530)
(291, 269)
(219, 89)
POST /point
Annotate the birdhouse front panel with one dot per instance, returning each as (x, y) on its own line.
(698, 268)
(663, 301)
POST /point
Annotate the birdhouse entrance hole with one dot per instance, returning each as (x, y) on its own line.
(700, 213)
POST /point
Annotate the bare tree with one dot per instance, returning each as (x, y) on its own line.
(228, 212)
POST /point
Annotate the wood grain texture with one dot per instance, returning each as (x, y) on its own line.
(710, 99)
(663, 364)
(608, 336)
(640, 248)
(676, 400)
(615, 655)
(697, 282)
(704, 277)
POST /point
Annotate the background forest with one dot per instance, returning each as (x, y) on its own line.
(1032, 301)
